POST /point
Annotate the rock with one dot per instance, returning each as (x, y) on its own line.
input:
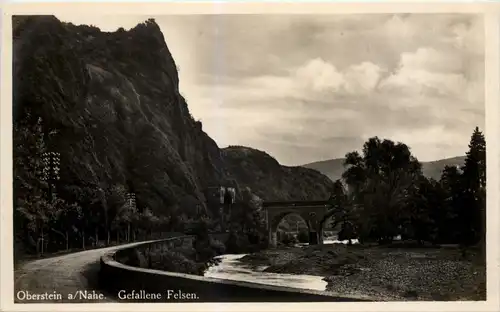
(113, 99)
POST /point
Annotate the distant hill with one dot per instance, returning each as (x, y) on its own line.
(271, 181)
(433, 169)
(334, 168)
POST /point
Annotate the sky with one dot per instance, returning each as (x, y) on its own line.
(306, 88)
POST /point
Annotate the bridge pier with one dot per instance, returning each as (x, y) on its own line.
(313, 238)
(273, 239)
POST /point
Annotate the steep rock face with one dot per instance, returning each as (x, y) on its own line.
(117, 118)
(116, 106)
(271, 181)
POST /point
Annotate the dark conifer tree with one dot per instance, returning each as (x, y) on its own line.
(472, 209)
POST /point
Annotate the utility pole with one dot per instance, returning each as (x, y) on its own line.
(132, 206)
(131, 200)
(50, 173)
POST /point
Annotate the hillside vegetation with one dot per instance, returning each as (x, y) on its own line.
(258, 171)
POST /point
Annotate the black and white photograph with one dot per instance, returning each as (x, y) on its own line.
(245, 158)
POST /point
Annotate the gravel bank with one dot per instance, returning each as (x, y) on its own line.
(383, 273)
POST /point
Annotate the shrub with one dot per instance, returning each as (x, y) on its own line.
(173, 261)
(132, 257)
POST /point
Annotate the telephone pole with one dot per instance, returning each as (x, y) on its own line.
(50, 171)
(50, 174)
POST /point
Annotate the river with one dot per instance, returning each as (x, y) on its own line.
(231, 268)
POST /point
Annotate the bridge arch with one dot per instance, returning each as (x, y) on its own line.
(280, 217)
(276, 221)
(313, 214)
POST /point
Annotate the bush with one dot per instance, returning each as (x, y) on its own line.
(189, 260)
(173, 261)
(238, 242)
(132, 257)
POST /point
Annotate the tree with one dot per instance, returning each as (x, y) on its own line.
(380, 180)
(247, 224)
(116, 226)
(419, 221)
(32, 207)
(355, 172)
(472, 211)
(461, 192)
(95, 210)
(447, 218)
(126, 217)
(474, 168)
(34, 215)
(63, 218)
(341, 208)
(249, 215)
(115, 199)
(206, 248)
(147, 222)
(338, 197)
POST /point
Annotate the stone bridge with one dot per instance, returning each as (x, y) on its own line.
(314, 214)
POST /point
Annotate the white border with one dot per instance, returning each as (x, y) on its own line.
(491, 13)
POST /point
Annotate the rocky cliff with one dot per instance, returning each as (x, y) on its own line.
(114, 112)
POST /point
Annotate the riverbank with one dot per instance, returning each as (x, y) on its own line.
(382, 273)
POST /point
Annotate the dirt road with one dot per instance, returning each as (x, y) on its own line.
(73, 276)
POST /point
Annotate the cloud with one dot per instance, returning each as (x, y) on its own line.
(431, 141)
(418, 82)
(312, 87)
(429, 72)
(468, 36)
(306, 89)
(319, 76)
(362, 78)
(312, 80)
(432, 60)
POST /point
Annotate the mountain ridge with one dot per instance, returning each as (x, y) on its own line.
(333, 168)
